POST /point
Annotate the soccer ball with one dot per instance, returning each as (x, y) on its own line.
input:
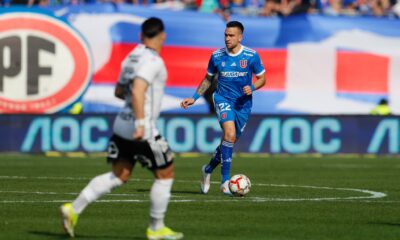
(239, 185)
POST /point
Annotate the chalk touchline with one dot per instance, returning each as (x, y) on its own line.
(372, 194)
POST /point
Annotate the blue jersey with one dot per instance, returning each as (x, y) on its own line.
(234, 72)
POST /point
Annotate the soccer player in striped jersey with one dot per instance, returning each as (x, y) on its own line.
(136, 139)
(235, 65)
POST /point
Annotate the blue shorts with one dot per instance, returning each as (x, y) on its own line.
(228, 111)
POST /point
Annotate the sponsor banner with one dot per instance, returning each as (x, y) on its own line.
(45, 64)
(329, 65)
(263, 134)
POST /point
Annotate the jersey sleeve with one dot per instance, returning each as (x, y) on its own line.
(257, 66)
(148, 69)
(211, 69)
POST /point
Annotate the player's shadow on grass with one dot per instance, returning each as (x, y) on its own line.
(173, 191)
(53, 235)
(393, 224)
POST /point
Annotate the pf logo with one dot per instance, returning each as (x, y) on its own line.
(45, 65)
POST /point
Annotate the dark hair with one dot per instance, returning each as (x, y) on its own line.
(152, 27)
(235, 24)
(383, 101)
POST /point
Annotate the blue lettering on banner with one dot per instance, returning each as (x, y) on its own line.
(186, 134)
(203, 125)
(279, 134)
(272, 125)
(304, 142)
(389, 128)
(326, 124)
(66, 134)
(297, 135)
(88, 127)
(38, 124)
(67, 124)
(186, 125)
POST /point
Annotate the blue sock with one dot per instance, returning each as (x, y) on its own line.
(215, 160)
(226, 153)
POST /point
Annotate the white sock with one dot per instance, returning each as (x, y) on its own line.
(96, 188)
(159, 196)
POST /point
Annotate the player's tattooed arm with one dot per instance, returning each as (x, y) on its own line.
(204, 85)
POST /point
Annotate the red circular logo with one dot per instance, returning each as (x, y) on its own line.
(45, 64)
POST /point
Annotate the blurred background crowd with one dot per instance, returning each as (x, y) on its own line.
(266, 8)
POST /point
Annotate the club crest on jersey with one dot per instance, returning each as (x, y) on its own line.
(243, 63)
(223, 115)
(223, 64)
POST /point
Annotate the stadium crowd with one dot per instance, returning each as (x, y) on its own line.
(267, 8)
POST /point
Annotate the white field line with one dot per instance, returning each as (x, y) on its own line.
(372, 194)
(74, 194)
(228, 199)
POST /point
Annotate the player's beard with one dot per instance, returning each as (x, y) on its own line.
(230, 46)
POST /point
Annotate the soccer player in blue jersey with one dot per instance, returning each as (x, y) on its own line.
(234, 65)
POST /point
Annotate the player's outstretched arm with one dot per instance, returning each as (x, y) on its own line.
(187, 102)
(203, 86)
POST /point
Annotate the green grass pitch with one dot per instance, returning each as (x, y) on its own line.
(292, 197)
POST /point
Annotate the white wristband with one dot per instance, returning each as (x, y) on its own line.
(139, 123)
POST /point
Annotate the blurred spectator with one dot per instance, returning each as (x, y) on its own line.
(396, 8)
(142, 2)
(190, 4)
(21, 2)
(208, 6)
(44, 3)
(224, 9)
(292, 7)
(5, 3)
(382, 108)
(237, 7)
(266, 8)
(332, 7)
(170, 4)
(271, 8)
(253, 7)
(301, 7)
